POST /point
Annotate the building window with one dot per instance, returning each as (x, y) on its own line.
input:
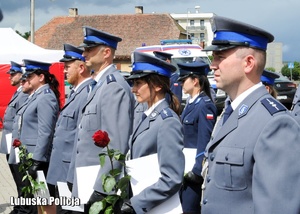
(202, 37)
(192, 35)
(202, 23)
(192, 22)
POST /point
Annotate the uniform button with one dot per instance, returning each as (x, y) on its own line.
(212, 138)
(226, 158)
(205, 201)
(208, 179)
(212, 157)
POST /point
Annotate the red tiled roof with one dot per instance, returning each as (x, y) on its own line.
(134, 29)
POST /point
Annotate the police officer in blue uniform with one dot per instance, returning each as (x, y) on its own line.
(35, 120)
(15, 74)
(198, 119)
(174, 84)
(159, 131)
(65, 130)
(109, 107)
(268, 79)
(252, 160)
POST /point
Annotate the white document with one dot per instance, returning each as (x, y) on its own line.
(142, 177)
(17, 151)
(8, 138)
(65, 192)
(86, 177)
(190, 158)
(43, 193)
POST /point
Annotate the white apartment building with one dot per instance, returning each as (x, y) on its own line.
(197, 25)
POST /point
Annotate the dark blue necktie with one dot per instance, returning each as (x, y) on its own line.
(71, 93)
(144, 116)
(93, 83)
(227, 113)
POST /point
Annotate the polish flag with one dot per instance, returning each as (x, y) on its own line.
(175, 84)
(210, 116)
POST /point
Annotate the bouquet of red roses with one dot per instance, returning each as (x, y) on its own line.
(109, 181)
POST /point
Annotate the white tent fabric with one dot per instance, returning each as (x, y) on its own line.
(15, 48)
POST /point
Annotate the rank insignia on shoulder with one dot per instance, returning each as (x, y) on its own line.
(47, 91)
(110, 78)
(272, 105)
(165, 113)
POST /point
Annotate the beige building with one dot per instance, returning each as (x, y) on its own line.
(197, 26)
(274, 56)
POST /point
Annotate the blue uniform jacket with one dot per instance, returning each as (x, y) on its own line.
(161, 133)
(64, 135)
(16, 101)
(38, 123)
(198, 119)
(253, 160)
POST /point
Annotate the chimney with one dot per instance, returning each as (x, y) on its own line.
(139, 10)
(73, 12)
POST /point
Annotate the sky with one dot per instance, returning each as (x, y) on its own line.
(281, 18)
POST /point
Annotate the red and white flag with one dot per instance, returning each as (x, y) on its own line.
(210, 116)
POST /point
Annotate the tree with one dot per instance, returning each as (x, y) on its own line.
(295, 71)
(271, 69)
(25, 35)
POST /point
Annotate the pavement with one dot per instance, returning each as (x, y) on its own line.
(7, 185)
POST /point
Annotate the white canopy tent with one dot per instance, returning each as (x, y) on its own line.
(15, 48)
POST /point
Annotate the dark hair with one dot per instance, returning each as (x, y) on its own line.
(164, 82)
(204, 84)
(53, 83)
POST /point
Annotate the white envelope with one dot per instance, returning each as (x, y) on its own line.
(86, 177)
(8, 138)
(65, 192)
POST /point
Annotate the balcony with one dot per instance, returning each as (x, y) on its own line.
(196, 29)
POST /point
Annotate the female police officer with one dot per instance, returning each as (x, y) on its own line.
(160, 131)
(198, 119)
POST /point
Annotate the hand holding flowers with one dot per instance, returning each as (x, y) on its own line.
(110, 181)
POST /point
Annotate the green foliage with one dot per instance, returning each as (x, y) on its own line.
(111, 182)
(26, 35)
(271, 69)
(295, 71)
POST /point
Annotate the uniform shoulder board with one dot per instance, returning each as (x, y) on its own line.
(165, 113)
(110, 78)
(47, 91)
(198, 100)
(272, 105)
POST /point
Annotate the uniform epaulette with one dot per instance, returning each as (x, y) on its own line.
(272, 105)
(198, 100)
(110, 78)
(165, 113)
(47, 91)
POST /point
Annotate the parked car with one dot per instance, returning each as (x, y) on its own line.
(286, 90)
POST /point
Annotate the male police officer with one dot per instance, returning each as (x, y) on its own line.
(109, 107)
(64, 136)
(253, 156)
(18, 98)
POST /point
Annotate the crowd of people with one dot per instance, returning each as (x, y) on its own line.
(246, 162)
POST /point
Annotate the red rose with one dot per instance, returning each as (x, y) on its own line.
(16, 143)
(101, 138)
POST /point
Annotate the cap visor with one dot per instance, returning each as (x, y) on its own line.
(136, 76)
(66, 60)
(182, 78)
(84, 45)
(218, 47)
